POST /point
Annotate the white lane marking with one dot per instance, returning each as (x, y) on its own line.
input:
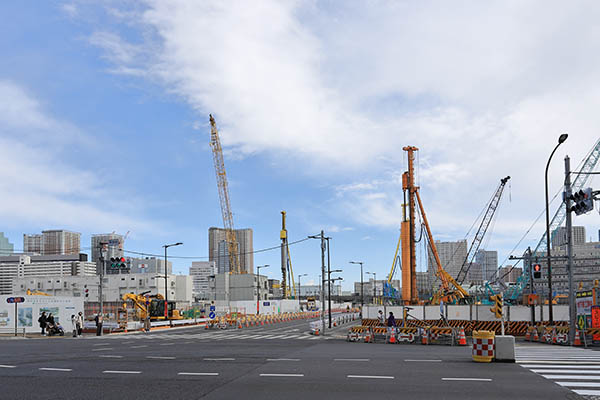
(297, 375)
(121, 372)
(370, 376)
(56, 369)
(199, 373)
(588, 392)
(109, 356)
(219, 359)
(292, 336)
(101, 344)
(314, 338)
(468, 379)
(160, 358)
(167, 344)
(283, 359)
(277, 337)
(263, 337)
(565, 371)
(580, 377)
(578, 384)
(423, 360)
(8, 366)
(103, 349)
(139, 347)
(350, 359)
(580, 366)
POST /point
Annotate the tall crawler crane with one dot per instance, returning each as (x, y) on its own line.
(288, 286)
(232, 245)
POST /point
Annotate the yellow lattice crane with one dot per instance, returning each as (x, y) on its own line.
(232, 245)
(288, 285)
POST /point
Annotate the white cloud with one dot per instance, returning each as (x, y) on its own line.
(39, 186)
(483, 89)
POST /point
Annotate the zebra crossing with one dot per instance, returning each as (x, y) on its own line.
(574, 368)
(220, 335)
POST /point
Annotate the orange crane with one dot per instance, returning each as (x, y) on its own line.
(223, 187)
(450, 290)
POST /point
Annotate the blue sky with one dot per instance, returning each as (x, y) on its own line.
(104, 119)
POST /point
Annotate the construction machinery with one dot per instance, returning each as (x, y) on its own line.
(483, 227)
(37, 293)
(579, 182)
(223, 188)
(151, 305)
(450, 290)
(288, 286)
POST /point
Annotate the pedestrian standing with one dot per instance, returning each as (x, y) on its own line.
(43, 322)
(74, 325)
(147, 324)
(381, 318)
(391, 323)
(79, 323)
(98, 320)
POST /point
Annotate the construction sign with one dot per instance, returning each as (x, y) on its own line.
(596, 320)
(584, 302)
(581, 322)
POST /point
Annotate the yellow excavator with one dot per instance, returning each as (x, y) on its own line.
(37, 293)
(156, 306)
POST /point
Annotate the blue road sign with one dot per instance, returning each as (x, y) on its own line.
(15, 300)
(212, 308)
(211, 315)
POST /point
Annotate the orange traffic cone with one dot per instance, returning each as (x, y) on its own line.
(239, 324)
(577, 341)
(528, 335)
(425, 337)
(536, 337)
(392, 338)
(317, 332)
(462, 339)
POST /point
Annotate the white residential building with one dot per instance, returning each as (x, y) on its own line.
(201, 271)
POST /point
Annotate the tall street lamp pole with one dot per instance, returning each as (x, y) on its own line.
(258, 267)
(166, 246)
(561, 139)
(362, 300)
(329, 280)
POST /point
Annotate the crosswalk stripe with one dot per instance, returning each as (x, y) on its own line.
(579, 384)
(588, 392)
(564, 371)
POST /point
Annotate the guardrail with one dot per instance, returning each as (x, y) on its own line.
(11, 332)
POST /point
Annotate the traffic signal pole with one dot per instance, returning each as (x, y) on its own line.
(568, 226)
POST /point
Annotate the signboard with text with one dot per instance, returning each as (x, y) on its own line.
(584, 302)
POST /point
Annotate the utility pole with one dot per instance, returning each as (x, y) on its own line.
(568, 226)
(528, 268)
(328, 281)
(284, 255)
(323, 283)
(102, 248)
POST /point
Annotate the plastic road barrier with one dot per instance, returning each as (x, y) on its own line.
(483, 346)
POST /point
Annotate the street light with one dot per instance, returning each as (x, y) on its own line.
(299, 286)
(166, 246)
(374, 284)
(258, 267)
(362, 300)
(561, 139)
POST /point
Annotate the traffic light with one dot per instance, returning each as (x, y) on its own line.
(537, 271)
(583, 201)
(498, 304)
(114, 262)
(86, 291)
(122, 263)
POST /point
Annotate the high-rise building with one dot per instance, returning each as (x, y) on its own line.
(61, 242)
(114, 247)
(508, 274)
(219, 250)
(201, 273)
(489, 263)
(33, 244)
(6, 247)
(559, 236)
(452, 255)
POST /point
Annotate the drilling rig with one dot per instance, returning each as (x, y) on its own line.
(223, 188)
(288, 286)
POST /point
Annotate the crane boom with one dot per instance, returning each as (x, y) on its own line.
(223, 188)
(579, 182)
(483, 227)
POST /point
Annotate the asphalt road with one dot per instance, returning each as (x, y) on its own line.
(274, 362)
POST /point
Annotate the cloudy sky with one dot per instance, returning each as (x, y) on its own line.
(104, 119)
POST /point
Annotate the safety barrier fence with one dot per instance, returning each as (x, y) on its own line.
(515, 328)
(559, 334)
(316, 327)
(427, 335)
